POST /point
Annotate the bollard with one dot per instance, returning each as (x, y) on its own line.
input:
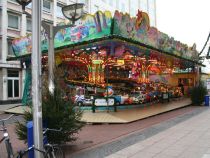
(206, 100)
(30, 139)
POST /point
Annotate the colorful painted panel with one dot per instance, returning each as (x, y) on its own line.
(89, 27)
(22, 46)
(138, 29)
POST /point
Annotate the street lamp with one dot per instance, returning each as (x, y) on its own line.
(36, 72)
(73, 12)
(23, 3)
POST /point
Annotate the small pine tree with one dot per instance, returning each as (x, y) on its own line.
(58, 112)
(198, 93)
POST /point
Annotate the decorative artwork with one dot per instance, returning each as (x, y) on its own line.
(138, 29)
(90, 27)
(22, 46)
(100, 25)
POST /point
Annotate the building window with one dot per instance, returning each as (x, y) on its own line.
(47, 6)
(59, 12)
(29, 5)
(95, 8)
(118, 4)
(123, 7)
(9, 47)
(13, 21)
(0, 48)
(85, 4)
(13, 84)
(29, 25)
(111, 3)
(13, 1)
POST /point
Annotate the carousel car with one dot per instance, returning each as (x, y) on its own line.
(138, 97)
(81, 100)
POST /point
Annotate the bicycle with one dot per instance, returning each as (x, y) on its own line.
(6, 138)
(50, 150)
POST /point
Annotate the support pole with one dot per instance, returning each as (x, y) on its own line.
(198, 75)
(51, 59)
(36, 76)
(51, 32)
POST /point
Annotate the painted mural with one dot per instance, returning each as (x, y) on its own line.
(89, 27)
(99, 25)
(138, 29)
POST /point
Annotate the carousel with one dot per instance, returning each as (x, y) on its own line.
(116, 60)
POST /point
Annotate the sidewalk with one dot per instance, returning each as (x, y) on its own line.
(93, 139)
(7, 106)
(189, 139)
(101, 140)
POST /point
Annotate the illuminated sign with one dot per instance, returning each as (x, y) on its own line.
(120, 62)
(97, 61)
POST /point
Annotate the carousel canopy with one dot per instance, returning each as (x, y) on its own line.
(101, 28)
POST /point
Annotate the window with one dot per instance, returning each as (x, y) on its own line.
(81, 1)
(47, 6)
(29, 5)
(123, 7)
(95, 8)
(0, 48)
(13, 21)
(13, 0)
(29, 25)
(110, 2)
(59, 12)
(9, 47)
(13, 84)
(118, 5)
(0, 18)
(85, 4)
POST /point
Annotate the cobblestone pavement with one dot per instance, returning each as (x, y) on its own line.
(101, 140)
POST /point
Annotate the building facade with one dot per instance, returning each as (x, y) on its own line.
(14, 24)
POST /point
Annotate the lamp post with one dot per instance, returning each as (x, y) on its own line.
(23, 3)
(72, 12)
(36, 72)
(36, 76)
(36, 59)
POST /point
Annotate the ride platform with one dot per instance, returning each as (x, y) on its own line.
(131, 114)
